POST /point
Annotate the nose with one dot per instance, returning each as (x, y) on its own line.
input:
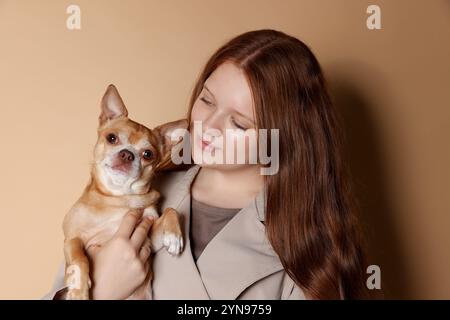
(126, 156)
(213, 124)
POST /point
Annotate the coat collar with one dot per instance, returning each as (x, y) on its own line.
(238, 256)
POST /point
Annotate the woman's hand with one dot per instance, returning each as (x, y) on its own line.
(121, 265)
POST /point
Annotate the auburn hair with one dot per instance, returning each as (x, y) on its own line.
(310, 217)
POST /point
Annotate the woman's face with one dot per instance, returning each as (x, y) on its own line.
(222, 121)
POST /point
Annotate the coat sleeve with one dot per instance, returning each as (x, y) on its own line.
(58, 285)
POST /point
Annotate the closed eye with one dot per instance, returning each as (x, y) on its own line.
(237, 125)
(206, 101)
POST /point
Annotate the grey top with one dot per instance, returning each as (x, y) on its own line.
(206, 222)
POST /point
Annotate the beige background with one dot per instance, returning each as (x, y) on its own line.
(391, 86)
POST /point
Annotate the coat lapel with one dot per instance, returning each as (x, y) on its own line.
(238, 256)
(177, 277)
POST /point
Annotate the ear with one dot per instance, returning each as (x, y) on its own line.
(164, 133)
(112, 105)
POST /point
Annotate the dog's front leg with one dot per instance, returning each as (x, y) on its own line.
(77, 270)
(166, 232)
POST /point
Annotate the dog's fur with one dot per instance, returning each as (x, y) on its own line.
(120, 182)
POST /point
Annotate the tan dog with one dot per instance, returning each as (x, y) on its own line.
(126, 156)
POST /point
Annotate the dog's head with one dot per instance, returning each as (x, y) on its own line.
(127, 153)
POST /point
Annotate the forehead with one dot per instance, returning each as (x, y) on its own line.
(133, 132)
(230, 87)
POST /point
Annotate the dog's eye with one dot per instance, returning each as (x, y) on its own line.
(112, 138)
(147, 154)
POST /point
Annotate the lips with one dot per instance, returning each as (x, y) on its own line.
(205, 144)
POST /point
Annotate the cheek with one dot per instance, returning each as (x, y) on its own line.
(144, 165)
(99, 151)
(250, 150)
(199, 112)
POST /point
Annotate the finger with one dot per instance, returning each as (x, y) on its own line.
(140, 233)
(147, 267)
(145, 251)
(129, 223)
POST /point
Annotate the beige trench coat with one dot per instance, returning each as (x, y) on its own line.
(238, 263)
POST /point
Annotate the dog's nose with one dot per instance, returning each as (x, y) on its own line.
(126, 156)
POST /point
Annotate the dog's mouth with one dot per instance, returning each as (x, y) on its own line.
(119, 168)
(124, 168)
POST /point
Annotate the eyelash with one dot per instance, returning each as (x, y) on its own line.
(238, 126)
(209, 103)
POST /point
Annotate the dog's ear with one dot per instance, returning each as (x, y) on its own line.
(169, 135)
(112, 105)
(165, 135)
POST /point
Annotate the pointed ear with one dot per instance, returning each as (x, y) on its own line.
(112, 105)
(164, 133)
(172, 135)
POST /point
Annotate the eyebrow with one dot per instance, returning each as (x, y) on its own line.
(242, 115)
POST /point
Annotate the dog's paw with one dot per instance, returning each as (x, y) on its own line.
(173, 243)
(151, 212)
(79, 291)
(78, 284)
(77, 294)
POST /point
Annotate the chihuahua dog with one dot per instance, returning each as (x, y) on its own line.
(126, 157)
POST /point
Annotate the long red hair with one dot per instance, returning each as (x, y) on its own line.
(310, 219)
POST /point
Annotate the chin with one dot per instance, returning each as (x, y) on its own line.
(117, 182)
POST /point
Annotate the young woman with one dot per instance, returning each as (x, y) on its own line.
(288, 235)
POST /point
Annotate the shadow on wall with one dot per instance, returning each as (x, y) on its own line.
(366, 164)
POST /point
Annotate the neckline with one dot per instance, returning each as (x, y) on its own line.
(206, 206)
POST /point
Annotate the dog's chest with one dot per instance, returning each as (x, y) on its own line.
(102, 228)
(95, 218)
